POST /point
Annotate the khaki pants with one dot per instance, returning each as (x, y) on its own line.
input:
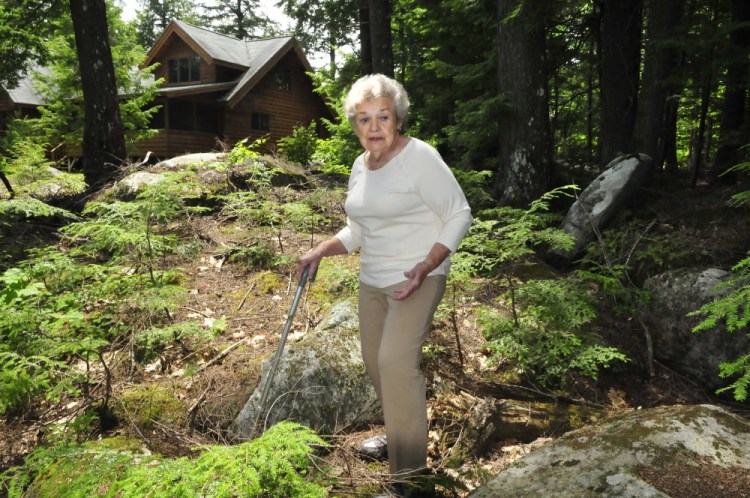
(392, 333)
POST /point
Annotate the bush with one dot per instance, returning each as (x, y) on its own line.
(299, 147)
(276, 465)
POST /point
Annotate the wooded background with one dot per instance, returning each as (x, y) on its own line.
(531, 91)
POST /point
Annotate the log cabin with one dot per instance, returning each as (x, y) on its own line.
(216, 88)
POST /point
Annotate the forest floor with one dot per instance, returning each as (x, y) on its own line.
(214, 381)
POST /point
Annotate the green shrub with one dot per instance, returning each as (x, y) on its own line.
(299, 147)
(276, 465)
(733, 309)
(546, 338)
(258, 256)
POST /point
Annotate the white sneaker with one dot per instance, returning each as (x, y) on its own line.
(375, 447)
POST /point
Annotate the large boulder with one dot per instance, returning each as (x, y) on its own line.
(601, 200)
(697, 355)
(320, 382)
(129, 187)
(654, 453)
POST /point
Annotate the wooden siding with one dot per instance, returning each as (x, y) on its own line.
(287, 108)
(171, 143)
(175, 48)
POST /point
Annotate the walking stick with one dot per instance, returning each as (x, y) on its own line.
(280, 349)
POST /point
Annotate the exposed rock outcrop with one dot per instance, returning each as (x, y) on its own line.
(696, 355)
(641, 454)
(320, 381)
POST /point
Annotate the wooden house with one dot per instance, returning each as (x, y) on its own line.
(219, 88)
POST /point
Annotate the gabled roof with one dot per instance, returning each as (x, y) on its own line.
(24, 94)
(255, 57)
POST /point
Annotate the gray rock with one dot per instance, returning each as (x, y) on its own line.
(601, 200)
(130, 186)
(611, 459)
(187, 159)
(320, 382)
(696, 355)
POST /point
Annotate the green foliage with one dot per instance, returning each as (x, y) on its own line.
(55, 309)
(189, 335)
(547, 338)
(61, 118)
(259, 256)
(337, 153)
(25, 209)
(276, 465)
(40, 329)
(732, 310)
(544, 333)
(504, 239)
(133, 232)
(299, 147)
(242, 152)
(28, 168)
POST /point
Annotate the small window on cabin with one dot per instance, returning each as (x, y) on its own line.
(284, 78)
(184, 70)
(260, 121)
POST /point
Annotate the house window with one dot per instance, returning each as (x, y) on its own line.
(185, 70)
(284, 79)
(260, 121)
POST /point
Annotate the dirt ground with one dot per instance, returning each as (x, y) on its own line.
(215, 380)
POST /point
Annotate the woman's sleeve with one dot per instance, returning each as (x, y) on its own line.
(441, 192)
(350, 236)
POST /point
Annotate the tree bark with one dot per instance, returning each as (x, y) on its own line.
(733, 117)
(525, 146)
(380, 36)
(661, 64)
(619, 75)
(7, 184)
(365, 42)
(103, 135)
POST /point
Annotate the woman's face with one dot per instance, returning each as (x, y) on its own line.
(376, 125)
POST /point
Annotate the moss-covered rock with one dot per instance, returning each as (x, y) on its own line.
(632, 455)
(320, 381)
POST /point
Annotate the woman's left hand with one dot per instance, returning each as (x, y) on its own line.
(416, 276)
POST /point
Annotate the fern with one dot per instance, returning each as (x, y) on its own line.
(548, 338)
(24, 208)
(733, 310)
(276, 465)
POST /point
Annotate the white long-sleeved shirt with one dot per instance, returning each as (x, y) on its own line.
(396, 213)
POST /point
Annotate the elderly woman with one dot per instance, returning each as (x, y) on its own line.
(406, 214)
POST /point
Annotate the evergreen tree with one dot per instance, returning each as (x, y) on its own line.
(61, 120)
(154, 16)
(323, 26)
(241, 19)
(524, 142)
(24, 26)
(103, 131)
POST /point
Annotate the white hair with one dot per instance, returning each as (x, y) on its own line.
(375, 86)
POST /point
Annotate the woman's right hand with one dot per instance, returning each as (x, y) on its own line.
(310, 260)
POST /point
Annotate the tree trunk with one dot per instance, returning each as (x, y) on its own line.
(365, 42)
(525, 146)
(735, 97)
(619, 74)
(659, 69)
(103, 135)
(380, 36)
(7, 184)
